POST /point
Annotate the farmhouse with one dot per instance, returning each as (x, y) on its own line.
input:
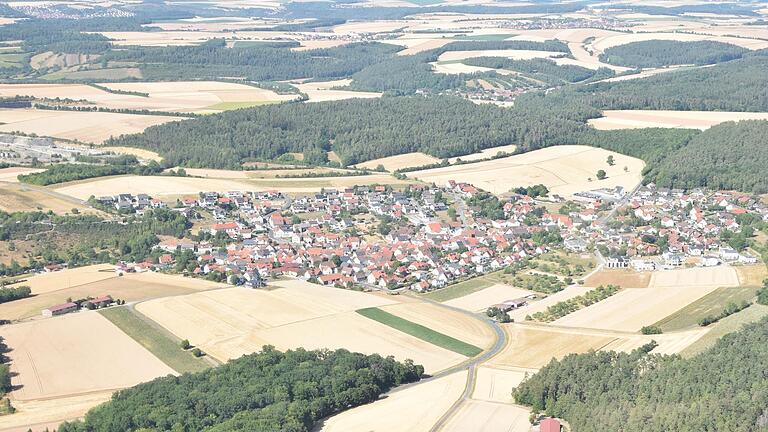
(59, 309)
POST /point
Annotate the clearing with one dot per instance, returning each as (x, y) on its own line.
(231, 322)
(565, 170)
(412, 409)
(668, 292)
(88, 127)
(635, 119)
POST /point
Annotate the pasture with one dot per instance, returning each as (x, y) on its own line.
(413, 409)
(231, 322)
(636, 119)
(667, 292)
(565, 170)
(87, 127)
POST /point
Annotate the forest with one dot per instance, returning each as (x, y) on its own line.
(265, 391)
(721, 389)
(61, 173)
(360, 129)
(660, 53)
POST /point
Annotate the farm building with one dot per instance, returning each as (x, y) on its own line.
(60, 309)
(550, 425)
(98, 302)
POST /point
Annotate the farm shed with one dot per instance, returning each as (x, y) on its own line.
(60, 309)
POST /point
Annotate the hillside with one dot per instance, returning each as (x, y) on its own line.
(722, 389)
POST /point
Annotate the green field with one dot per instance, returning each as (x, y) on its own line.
(156, 340)
(709, 305)
(463, 288)
(225, 106)
(424, 333)
(726, 325)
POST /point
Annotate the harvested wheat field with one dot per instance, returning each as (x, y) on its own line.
(485, 154)
(513, 54)
(394, 163)
(165, 186)
(602, 44)
(752, 275)
(231, 322)
(565, 170)
(413, 409)
(68, 343)
(481, 300)
(415, 46)
(10, 174)
(496, 384)
(636, 119)
(485, 416)
(23, 197)
(89, 127)
(442, 320)
(56, 288)
(322, 91)
(461, 68)
(139, 153)
(46, 414)
(622, 278)
(668, 292)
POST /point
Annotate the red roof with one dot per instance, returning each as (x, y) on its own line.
(62, 307)
(550, 425)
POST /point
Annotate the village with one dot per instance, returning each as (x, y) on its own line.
(423, 238)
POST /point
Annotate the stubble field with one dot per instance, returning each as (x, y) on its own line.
(635, 119)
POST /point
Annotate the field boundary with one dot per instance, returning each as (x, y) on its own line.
(160, 343)
(421, 332)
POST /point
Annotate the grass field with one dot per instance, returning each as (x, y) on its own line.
(711, 304)
(421, 332)
(159, 342)
(461, 289)
(726, 325)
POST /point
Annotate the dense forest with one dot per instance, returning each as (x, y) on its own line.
(357, 129)
(266, 391)
(660, 53)
(727, 156)
(722, 389)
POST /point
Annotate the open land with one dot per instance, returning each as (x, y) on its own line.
(485, 154)
(414, 409)
(10, 174)
(321, 91)
(23, 197)
(565, 170)
(166, 186)
(405, 160)
(231, 322)
(635, 119)
(486, 416)
(622, 278)
(495, 384)
(668, 292)
(56, 288)
(89, 127)
(711, 304)
(479, 301)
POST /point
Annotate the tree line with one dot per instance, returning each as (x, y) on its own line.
(721, 389)
(61, 173)
(266, 391)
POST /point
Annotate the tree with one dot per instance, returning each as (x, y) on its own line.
(610, 160)
(185, 344)
(452, 213)
(601, 175)
(197, 352)
(651, 330)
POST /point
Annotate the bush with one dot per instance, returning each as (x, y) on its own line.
(197, 352)
(651, 330)
(185, 344)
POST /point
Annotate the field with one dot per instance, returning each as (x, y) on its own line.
(622, 278)
(394, 163)
(10, 174)
(461, 289)
(41, 414)
(726, 325)
(231, 322)
(602, 44)
(479, 301)
(165, 186)
(668, 292)
(565, 170)
(155, 340)
(413, 409)
(24, 197)
(177, 96)
(68, 343)
(634, 119)
(485, 154)
(485, 416)
(710, 305)
(513, 54)
(422, 332)
(56, 288)
(87, 127)
(496, 385)
(753, 275)
(139, 153)
(320, 91)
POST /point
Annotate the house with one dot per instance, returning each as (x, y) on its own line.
(550, 425)
(709, 261)
(98, 302)
(643, 265)
(747, 259)
(728, 254)
(616, 262)
(60, 309)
